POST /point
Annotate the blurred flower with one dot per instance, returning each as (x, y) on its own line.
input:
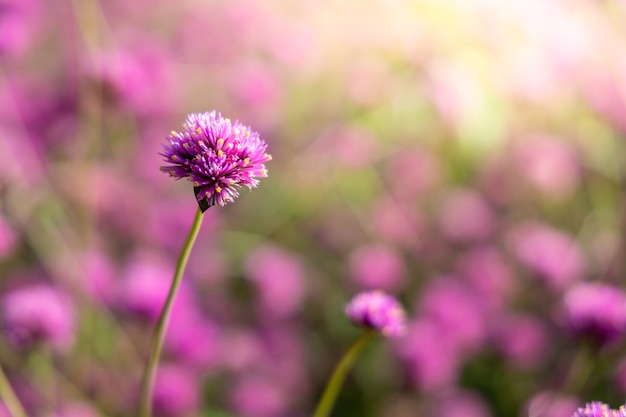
(99, 278)
(377, 311)
(550, 253)
(279, 278)
(243, 349)
(284, 353)
(521, 338)
(128, 76)
(376, 266)
(432, 359)
(465, 216)
(201, 276)
(17, 26)
(454, 91)
(598, 409)
(38, 314)
(411, 172)
(488, 274)
(191, 337)
(456, 310)
(396, 222)
(460, 403)
(596, 310)
(549, 404)
(257, 396)
(217, 155)
(176, 391)
(548, 163)
(605, 90)
(353, 146)
(168, 218)
(146, 281)
(258, 90)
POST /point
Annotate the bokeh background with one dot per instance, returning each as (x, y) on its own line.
(465, 156)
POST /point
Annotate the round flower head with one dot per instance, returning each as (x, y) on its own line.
(377, 311)
(38, 314)
(596, 310)
(217, 155)
(598, 409)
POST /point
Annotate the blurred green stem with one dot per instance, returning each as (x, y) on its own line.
(581, 368)
(147, 384)
(9, 398)
(41, 364)
(335, 383)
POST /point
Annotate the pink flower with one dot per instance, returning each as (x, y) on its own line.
(377, 311)
(596, 310)
(279, 278)
(488, 274)
(217, 155)
(176, 391)
(548, 163)
(432, 359)
(456, 309)
(465, 216)
(376, 266)
(38, 314)
(522, 339)
(551, 254)
(257, 396)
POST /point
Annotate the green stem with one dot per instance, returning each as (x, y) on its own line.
(9, 398)
(581, 369)
(339, 375)
(147, 384)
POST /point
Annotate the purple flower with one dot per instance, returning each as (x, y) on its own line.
(258, 396)
(456, 310)
(277, 297)
(37, 314)
(597, 310)
(144, 286)
(176, 391)
(460, 403)
(598, 409)
(191, 337)
(431, 358)
(553, 255)
(523, 339)
(377, 311)
(465, 216)
(376, 266)
(551, 404)
(217, 155)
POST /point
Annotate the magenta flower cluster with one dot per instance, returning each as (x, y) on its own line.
(377, 311)
(217, 155)
(38, 314)
(596, 310)
(598, 409)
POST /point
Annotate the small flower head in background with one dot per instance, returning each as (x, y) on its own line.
(377, 311)
(551, 404)
(176, 391)
(217, 155)
(598, 409)
(38, 314)
(597, 311)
